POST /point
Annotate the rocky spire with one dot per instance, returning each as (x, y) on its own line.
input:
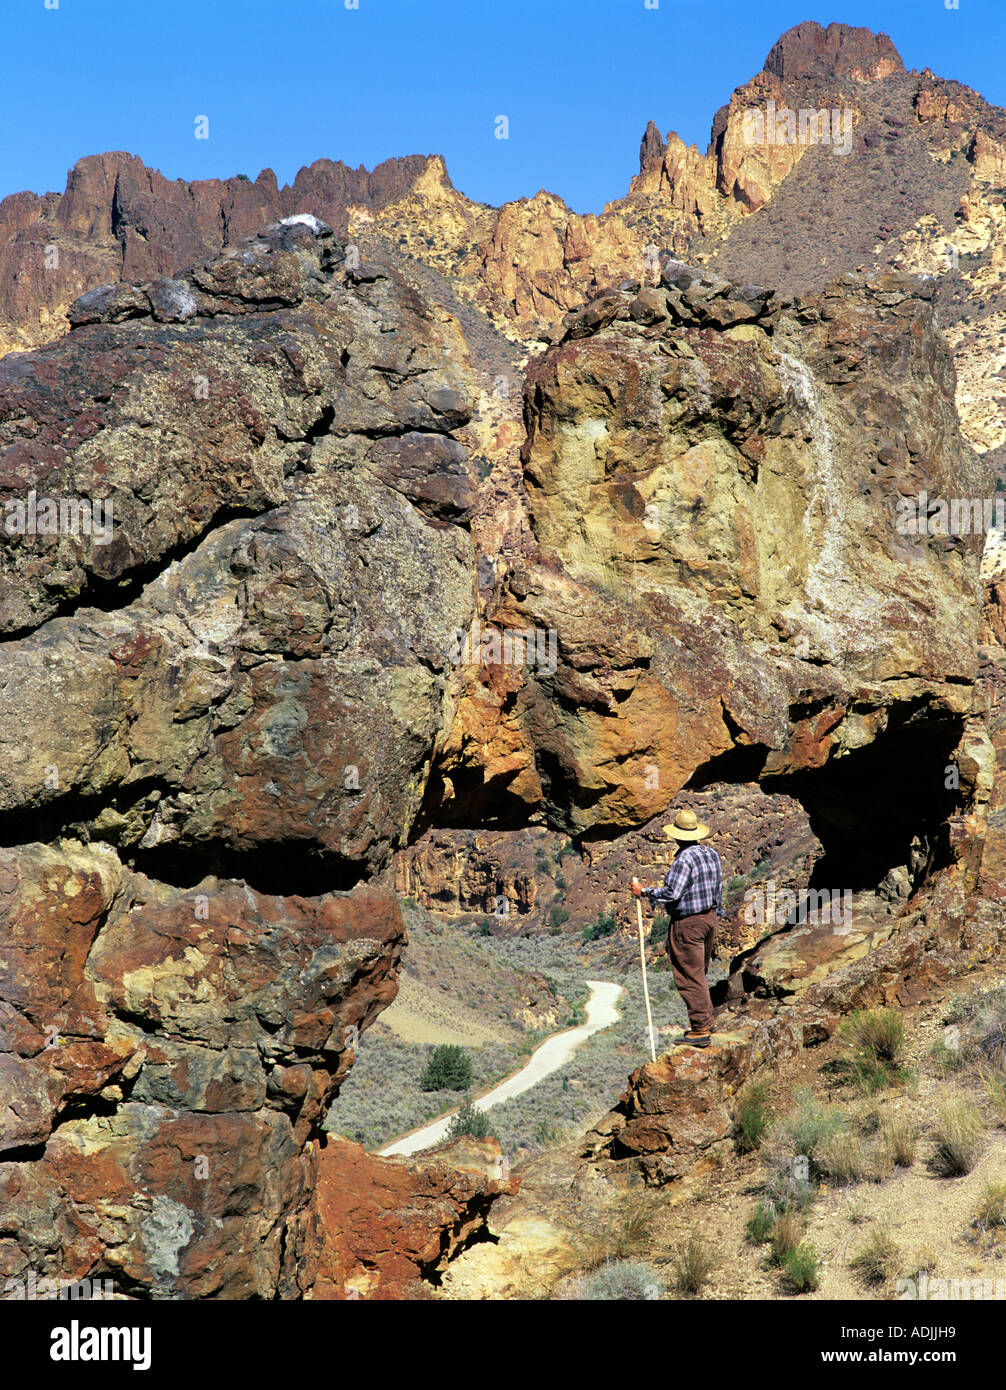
(810, 51)
(651, 147)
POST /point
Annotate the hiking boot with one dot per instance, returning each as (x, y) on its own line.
(694, 1037)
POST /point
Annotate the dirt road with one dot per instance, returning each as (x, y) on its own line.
(553, 1053)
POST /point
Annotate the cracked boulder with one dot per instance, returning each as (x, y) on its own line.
(388, 1228)
(717, 482)
(269, 689)
(219, 720)
(166, 1055)
(276, 677)
(185, 401)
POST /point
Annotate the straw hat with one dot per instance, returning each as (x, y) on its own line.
(686, 826)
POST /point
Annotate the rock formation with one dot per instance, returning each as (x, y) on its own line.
(313, 588)
(702, 463)
(221, 721)
(793, 213)
(118, 219)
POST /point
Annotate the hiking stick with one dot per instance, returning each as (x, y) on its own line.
(646, 991)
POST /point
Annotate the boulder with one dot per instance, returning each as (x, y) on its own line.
(220, 719)
(719, 562)
(387, 1228)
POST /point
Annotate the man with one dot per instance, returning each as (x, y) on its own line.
(692, 893)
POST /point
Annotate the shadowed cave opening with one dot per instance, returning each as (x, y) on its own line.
(883, 807)
(280, 868)
(875, 816)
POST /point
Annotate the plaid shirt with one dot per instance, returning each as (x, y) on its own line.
(694, 883)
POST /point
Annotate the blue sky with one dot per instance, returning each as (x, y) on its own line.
(284, 82)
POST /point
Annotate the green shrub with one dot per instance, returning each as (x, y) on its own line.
(470, 1120)
(811, 1123)
(659, 928)
(623, 1280)
(449, 1068)
(873, 1076)
(759, 1224)
(875, 1038)
(604, 926)
(753, 1116)
(801, 1268)
(557, 915)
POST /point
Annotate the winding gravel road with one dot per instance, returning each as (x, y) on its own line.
(546, 1058)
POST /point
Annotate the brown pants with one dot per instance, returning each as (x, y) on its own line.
(690, 942)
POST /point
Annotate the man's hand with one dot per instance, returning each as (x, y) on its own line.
(637, 888)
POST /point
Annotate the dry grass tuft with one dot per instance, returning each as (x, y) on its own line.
(877, 1259)
(960, 1134)
(693, 1266)
(787, 1233)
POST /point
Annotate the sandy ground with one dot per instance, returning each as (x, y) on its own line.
(421, 1014)
(930, 1218)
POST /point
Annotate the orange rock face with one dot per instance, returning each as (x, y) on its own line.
(165, 1056)
(378, 1227)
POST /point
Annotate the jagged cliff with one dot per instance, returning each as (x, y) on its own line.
(910, 181)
